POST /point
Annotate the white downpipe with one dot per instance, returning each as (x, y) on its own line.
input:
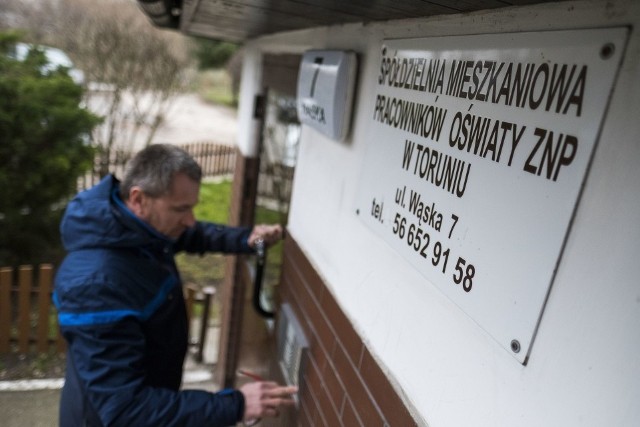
(250, 86)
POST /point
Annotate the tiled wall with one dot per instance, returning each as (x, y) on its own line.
(342, 383)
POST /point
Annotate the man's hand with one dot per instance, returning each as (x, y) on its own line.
(270, 234)
(264, 398)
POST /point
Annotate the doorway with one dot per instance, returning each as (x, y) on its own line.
(278, 147)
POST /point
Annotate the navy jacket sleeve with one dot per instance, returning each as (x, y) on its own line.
(209, 237)
(108, 363)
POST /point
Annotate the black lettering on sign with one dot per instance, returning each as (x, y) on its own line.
(558, 88)
(426, 214)
(419, 119)
(442, 170)
(455, 219)
(376, 210)
(408, 153)
(314, 112)
(419, 74)
(400, 196)
(551, 153)
(484, 137)
(316, 64)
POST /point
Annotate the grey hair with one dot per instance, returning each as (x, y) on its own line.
(153, 169)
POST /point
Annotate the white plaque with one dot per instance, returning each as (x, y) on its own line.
(325, 91)
(477, 150)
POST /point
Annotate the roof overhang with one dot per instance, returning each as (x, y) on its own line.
(240, 20)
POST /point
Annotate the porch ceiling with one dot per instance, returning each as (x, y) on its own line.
(240, 20)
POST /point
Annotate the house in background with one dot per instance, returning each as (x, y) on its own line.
(463, 224)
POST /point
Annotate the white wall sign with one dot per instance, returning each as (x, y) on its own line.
(477, 150)
(325, 91)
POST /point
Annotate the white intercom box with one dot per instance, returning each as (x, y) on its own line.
(292, 346)
(325, 91)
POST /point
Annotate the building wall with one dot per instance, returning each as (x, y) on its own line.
(342, 384)
(378, 328)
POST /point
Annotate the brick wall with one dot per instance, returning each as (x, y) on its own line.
(342, 384)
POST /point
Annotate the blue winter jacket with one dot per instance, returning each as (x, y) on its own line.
(122, 313)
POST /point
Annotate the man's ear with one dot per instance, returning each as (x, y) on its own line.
(136, 201)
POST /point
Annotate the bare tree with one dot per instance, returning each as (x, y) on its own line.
(34, 16)
(132, 70)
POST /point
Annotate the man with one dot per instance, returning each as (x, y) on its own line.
(121, 307)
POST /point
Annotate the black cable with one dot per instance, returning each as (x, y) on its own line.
(261, 256)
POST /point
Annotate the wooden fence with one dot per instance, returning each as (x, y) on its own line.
(27, 316)
(28, 319)
(214, 159)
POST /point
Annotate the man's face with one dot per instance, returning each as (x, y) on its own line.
(172, 213)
